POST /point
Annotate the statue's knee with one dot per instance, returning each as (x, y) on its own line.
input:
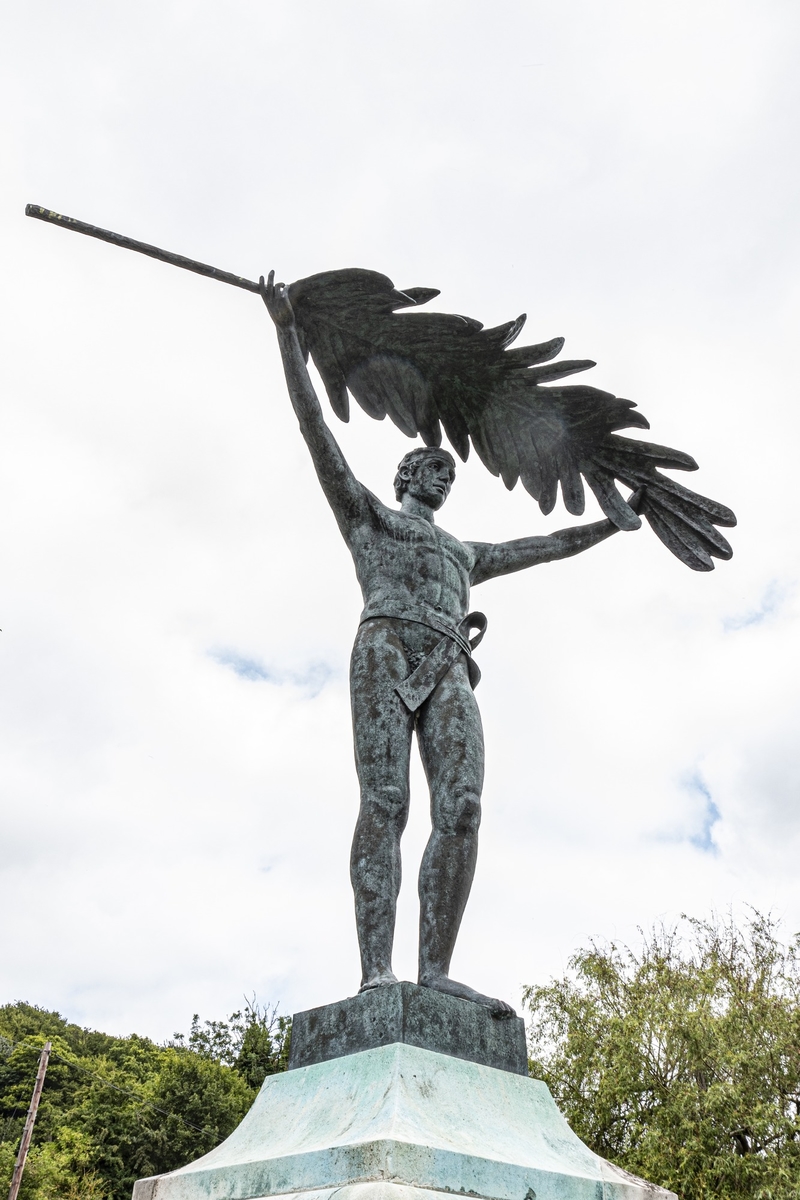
(386, 804)
(460, 813)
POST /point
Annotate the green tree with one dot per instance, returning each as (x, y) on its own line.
(681, 1062)
(116, 1109)
(255, 1041)
(185, 1107)
(59, 1169)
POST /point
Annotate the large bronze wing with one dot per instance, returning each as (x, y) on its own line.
(434, 371)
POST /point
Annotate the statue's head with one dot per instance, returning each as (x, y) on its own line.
(427, 473)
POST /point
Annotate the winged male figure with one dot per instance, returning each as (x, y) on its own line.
(412, 672)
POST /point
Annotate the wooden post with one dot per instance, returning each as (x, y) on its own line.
(19, 1166)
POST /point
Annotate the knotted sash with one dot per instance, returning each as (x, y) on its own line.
(416, 689)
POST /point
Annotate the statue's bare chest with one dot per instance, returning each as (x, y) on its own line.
(400, 554)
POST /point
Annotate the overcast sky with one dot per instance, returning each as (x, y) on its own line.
(178, 792)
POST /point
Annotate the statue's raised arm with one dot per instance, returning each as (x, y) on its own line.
(345, 494)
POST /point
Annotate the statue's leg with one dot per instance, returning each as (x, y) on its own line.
(382, 730)
(450, 738)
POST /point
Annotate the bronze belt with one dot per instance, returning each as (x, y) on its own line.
(416, 689)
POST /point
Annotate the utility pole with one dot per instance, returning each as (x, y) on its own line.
(19, 1166)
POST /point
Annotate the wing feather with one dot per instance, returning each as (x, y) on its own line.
(643, 474)
(549, 489)
(502, 437)
(662, 456)
(387, 379)
(332, 375)
(717, 513)
(602, 484)
(457, 432)
(504, 335)
(675, 537)
(560, 370)
(528, 356)
(434, 371)
(421, 295)
(484, 449)
(690, 517)
(572, 492)
(531, 470)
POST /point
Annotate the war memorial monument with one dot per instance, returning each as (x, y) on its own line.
(409, 1090)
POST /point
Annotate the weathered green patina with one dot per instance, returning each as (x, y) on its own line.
(401, 1123)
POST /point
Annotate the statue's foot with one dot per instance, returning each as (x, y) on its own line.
(380, 979)
(442, 983)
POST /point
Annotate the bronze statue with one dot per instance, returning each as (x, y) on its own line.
(412, 668)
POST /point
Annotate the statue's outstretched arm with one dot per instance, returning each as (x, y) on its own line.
(502, 558)
(344, 493)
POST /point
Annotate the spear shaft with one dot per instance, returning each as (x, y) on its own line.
(119, 239)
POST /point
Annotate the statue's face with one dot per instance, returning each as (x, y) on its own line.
(430, 479)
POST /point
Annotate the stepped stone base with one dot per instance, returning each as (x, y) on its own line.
(416, 1016)
(400, 1123)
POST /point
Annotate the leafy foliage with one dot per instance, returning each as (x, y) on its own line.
(681, 1062)
(116, 1109)
(255, 1042)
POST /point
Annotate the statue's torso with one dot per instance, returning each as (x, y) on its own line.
(409, 567)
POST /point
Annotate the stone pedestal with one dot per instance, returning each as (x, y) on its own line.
(399, 1122)
(415, 1016)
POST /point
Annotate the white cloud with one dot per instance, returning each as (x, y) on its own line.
(178, 787)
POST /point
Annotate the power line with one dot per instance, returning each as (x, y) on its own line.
(125, 1091)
